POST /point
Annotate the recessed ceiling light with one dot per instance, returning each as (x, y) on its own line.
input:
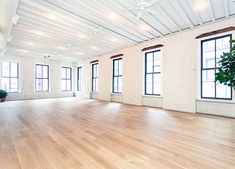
(24, 51)
(200, 5)
(113, 16)
(82, 36)
(94, 47)
(79, 53)
(52, 17)
(30, 43)
(69, 45)
(61, 47)
(114, 40)
(40, 33)
(144, 27)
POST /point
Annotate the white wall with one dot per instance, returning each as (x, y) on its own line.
(179, 71)
(26, 79)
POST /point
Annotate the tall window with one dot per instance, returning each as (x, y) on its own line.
(95, 77)
(10, 76)
(41, 78)
(66, 78)
(117, 75)
(211, 51)
(79, 79)
(153, 73)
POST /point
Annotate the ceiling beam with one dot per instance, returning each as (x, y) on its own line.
(226, 8)
(182, 13)
(211, 11)
(88, 20)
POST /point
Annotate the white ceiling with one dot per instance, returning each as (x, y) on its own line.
(76, 29)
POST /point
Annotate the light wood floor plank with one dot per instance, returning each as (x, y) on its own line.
(86, 134)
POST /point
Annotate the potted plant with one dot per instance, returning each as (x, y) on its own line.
(226, 73)
(3, 95)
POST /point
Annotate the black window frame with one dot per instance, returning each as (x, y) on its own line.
(146, 73)
(42, 78)
(79, 86)
(116, 76)
(214, 68)
(67, 78)
(94, 78)
(10, 77)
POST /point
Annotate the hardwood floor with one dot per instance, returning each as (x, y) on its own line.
(72, 134)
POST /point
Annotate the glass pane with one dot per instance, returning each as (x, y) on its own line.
(45, 85)
(149, 84)
(209, 54)
(63, 85)
(94, 85)
(120, 84)
(120, 67)
(5, 69)
(157, 83)
(45, 71)
(39, 86)
(97, 70)
(157, 62)
(208, 84)
(14, 85)
(149, 62)
(63, 73)
(115, 84)
(38, 71)
(14, 70)
(97, 85)
(69, 85)
(5, 84)
(68, 73)
(115, 67)
(223, 91)
(222, 46)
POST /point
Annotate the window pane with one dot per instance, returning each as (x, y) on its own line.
(14, 70)
(97, 70)
(209, 54)
(223, 91)
(68, 73)
(120, 67)
(5, 84)
(97, 84)
(157, 62)
(63, 85)
(156, 83)
(5, 69)
(68, 85)
(45, 85)
(208, 84)
(222, 45)
(14, 85)
(63, 73)
(38, 71)
(149, 83)
(149, 62)
(119, 84)
(116, 68)
(45, 71)
(39, 86)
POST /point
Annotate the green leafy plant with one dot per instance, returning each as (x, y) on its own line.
(226, 72)
(3, 93)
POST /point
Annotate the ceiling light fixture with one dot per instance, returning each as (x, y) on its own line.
(61, 47)
(113, 16)
(200, 5)
(15, 19)
(40, 33)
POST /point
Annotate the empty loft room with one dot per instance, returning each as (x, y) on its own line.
(117, 84)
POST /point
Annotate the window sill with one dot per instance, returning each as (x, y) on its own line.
(216, 101)
(94, 92)
(117, 94)
(152, 96)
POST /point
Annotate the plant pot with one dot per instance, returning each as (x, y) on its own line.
(2, 99)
